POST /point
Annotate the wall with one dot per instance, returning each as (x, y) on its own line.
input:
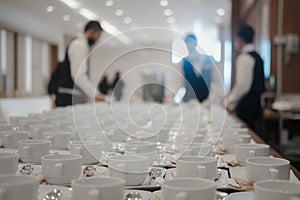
(291, 18)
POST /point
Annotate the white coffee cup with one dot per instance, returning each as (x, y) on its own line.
(6, 127)
(59, 139)
(195, 149)
(61, 168)
(148, 149)
(13, 187)
(37, 130)
(263, 168)
(89, 150)
(188, 189)
(98, 188)
(8, 163)
(276, 190)
(11, 138)
(193, 166)
(245, 151)
(230, 140)
(31, 151)
(132, 168)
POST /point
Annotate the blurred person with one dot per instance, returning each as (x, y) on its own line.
(117, 86)
(78, 54)
(197, 70)
(244, 99)
(104, 86)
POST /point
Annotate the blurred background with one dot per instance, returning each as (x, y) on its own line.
(144, 38)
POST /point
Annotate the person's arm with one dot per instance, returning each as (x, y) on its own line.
(243, 81)
(78, 56)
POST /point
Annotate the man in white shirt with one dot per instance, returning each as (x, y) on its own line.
(78, 54)
(244, 99)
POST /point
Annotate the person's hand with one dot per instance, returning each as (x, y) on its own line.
(99, 97)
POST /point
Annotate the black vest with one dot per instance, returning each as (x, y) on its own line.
(248, 108)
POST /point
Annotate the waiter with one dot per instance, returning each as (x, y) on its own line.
(244, 99)
(77, 87)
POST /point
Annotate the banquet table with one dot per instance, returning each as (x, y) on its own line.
(80, 121)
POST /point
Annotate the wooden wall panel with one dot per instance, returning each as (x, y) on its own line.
(291, 24)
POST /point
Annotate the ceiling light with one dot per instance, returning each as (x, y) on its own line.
(127, 20)
(171, 20)
(71, 3)
(119, 12)
(111, 29)
(50, 8)
(168, 12)
(88, 14)
(66, 18)
(164, 3)
(221, 11)
(109, 3)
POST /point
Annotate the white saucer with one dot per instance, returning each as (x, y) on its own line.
(220, 196)
(44, 189)
(37, 169)
(101, 170)
(241, 196)
(146, 195)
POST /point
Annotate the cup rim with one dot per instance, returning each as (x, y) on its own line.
(207, 186)
(29, 179)
(136, 158)
(197, 144)
(71, 157)
(78, 182)
(57, 133)
(34, 141)
(284, 161)
(258, 185)
(208, 159)
(13, 132)
(85, 142)
(8, 155)
(252, 146)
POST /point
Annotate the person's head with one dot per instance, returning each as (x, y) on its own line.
(245, 35)
(93, 31)
(191, 42)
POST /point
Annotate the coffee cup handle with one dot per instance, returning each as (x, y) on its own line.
(201, 171)
(26, 150)
(58, 169)
(181, 196)
(93, 194)
(2, 193)
(274, 173)
(78, 150)
(251, 153)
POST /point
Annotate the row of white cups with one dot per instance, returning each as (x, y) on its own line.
(196, 168)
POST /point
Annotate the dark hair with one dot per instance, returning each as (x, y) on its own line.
(246, 33)
(190, 37)
(93, 25)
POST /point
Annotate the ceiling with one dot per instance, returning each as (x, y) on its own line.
(141, 13)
